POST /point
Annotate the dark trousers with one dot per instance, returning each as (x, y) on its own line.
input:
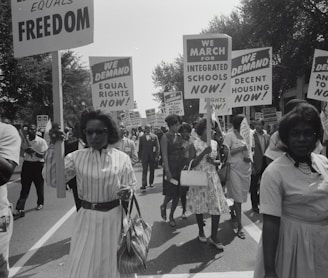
(145, 165)
(254, 189)
(31, 172)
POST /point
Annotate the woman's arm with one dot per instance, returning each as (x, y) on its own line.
(271, 226)
(197, 159)
(164, 157)
(238, 150)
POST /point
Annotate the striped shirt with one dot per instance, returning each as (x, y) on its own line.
(99, 174)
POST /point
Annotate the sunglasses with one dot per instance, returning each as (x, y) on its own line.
(90, 132)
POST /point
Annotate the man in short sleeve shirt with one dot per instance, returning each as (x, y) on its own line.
(9, 158)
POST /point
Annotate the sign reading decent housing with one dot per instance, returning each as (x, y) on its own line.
(173, 103)
(112, 83)
(44, 26)
(318, 86)
(251, 77)
(207, 65)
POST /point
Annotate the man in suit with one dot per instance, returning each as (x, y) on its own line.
(261, 141)
(148, 153)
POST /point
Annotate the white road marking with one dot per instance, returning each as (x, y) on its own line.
(230, 274)
(22, 261)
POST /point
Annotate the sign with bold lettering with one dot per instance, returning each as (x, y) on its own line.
(41, 121)
(318, 85)
(132, 119)
(46, 26)
(112, 83)
(220, 106)
(207, 66)
(173, 103)
(151, 116)
(251, 77)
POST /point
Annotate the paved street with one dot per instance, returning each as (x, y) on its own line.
(40, 242)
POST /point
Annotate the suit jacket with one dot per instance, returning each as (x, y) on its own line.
(148, 150)
(258, 156)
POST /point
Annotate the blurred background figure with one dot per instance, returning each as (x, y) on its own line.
(127, 145)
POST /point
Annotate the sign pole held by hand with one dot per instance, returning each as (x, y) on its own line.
(208, 122)
(58, 118)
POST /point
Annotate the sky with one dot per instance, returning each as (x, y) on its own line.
(149, 31)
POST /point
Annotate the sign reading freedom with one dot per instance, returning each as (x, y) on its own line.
(45, 26)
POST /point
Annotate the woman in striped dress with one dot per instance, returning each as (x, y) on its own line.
(104, 175)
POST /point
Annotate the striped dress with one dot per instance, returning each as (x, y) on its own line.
(99, 175)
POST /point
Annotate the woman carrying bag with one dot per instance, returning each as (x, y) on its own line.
(206, 199)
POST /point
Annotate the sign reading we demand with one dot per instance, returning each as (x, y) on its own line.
(45, 26)
(112, 83)
(251, 77)
(207, 66)
(318, 86)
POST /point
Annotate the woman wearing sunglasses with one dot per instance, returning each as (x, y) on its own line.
(294, 202)
(104, 177)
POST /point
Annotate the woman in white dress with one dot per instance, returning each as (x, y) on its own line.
(104, 177)
(239, 179)
(209, 199)
(294, 203)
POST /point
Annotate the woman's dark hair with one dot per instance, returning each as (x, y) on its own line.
(91, 114)
(302, 113)
(186, 127)
(236, 121)
(200, 127)
(172, 119)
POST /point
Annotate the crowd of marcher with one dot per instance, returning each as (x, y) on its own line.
(284, 174)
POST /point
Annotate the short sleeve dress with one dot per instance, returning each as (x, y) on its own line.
(239, 178)
(207, 199)
(176, 161)
(300, 199)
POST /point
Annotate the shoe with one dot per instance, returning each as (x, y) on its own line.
(202, 239)
(241, 234)
(163, 212)
(39, 207)
(172, 223)
(217, 245)
(183, 216)
(143, 188)
(19, 213)
(256, 209)
(151, 186)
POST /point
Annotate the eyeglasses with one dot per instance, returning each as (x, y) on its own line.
(90, 132)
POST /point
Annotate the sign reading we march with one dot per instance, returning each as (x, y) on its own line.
(318, 86)
(111, 83)
(45, 26)
(207, 65)
(251, 77)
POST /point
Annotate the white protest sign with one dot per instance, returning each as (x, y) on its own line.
(318, 85)
(45, 26)
(251, 77)
(42, 121)
(269, 115)
(151, 116)
(133, 119)
(112, 83)
(207, 66)
(160, 120)
(173, 103)
(220, 106)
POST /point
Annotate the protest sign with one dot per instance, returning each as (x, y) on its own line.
(269, 115)
(45, 26)
(220, 106)
(160, 120)
(111, 83)
(251, 77)
(173, 103)
(151, 116)
(318, 85)
(132, 119)
(42, 121)
(207, 66)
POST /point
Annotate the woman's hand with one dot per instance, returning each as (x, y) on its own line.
(125, 193)
(168, 175)
(56, 134)
(207, 150)
(210, 160)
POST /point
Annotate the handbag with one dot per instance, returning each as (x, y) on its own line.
(193, 177)
(133, 247)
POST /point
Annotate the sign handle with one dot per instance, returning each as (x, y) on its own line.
(208, 122)
(58, 118)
